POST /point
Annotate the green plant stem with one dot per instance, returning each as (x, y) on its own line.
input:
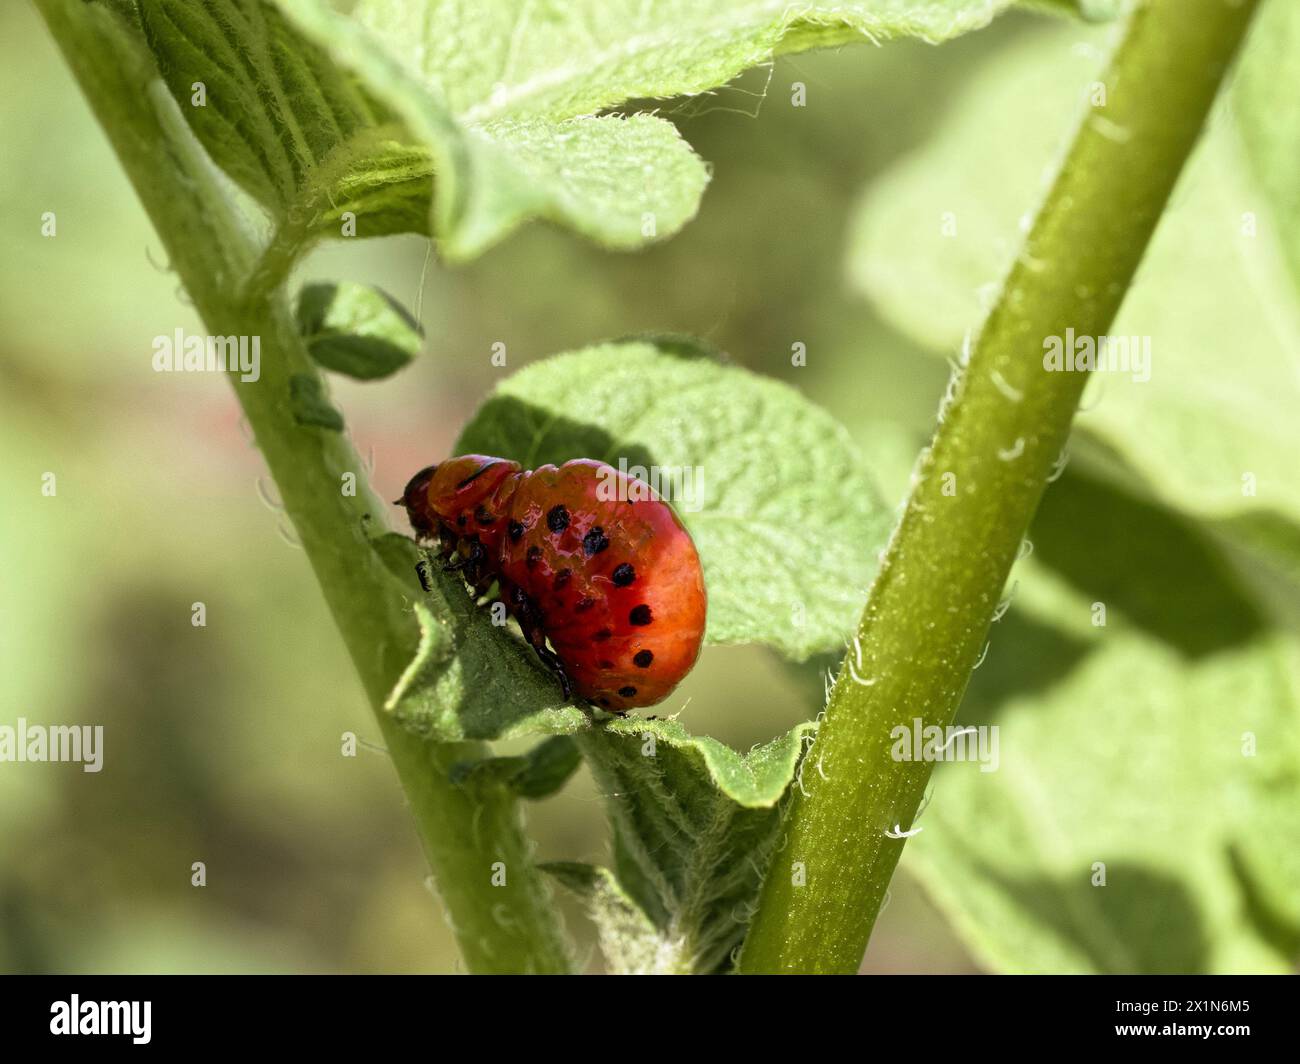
(508, 928)
(277, 259)
(978, 484)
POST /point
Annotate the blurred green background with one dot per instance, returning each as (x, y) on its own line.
(223, 743)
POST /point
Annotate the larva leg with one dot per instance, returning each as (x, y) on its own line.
(530, 623)
(426, 577)
(552, 661)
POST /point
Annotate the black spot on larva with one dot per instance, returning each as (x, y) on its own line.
(642, 658)
(623, 575)
(585, 604)
(603, 701)
(557, 518)
(627, 692)
(462, 520)
(606, 664)
(595, 541)
(518, 597)
(516, 531)
(602, 635)
(482, 516)
(640, 616)
(562, 579)
(532, 557)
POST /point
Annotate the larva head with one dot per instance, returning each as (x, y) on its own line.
(449, 492)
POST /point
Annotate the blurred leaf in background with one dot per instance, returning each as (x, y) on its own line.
(224, 743)
(1217, 427)
(1145, 681)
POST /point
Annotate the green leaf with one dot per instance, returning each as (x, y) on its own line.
(1164, 745)
(934, 236)
(930, 242)
(357, 330)
(293, 130)
(124, 9)
(506, 95)
(1268, 76)
(535, 775)
(694, 823)
(785, 519)
(1266, 873)
(628, 938)
(317, 113)
(310, 405)
(503, 59)
(1088, 10)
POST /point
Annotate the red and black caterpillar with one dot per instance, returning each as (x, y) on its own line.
(585, 557)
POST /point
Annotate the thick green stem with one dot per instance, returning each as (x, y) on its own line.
(978, 485)
(507, 928)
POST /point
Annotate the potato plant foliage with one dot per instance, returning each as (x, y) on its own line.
(310, 121)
